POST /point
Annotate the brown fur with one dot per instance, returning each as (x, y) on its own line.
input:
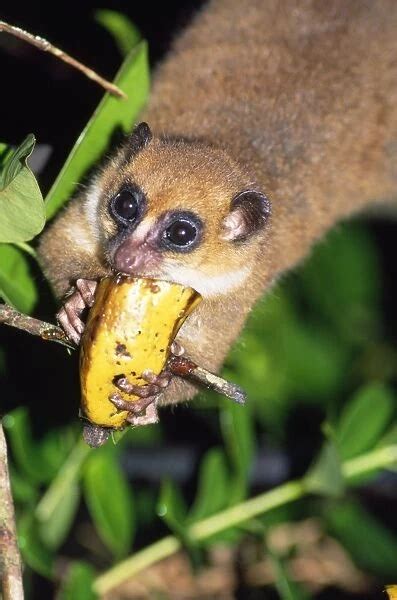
(294, 97)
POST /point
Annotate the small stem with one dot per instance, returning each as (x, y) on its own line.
(136, 563)
(292, 490)
(46, 46)
(12, 317)
(236, 515)
(365, 463)
(10, 560)
(182, 366)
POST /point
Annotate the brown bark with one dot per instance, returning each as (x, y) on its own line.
(47, 331)
(10, 561)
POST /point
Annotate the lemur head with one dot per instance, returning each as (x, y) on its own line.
(177, 210)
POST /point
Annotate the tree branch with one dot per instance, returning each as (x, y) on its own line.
(10, 560)
(180, 366)
(184, 367)
(47, 331)
(46, 46)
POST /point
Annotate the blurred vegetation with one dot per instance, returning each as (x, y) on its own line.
(316, 346)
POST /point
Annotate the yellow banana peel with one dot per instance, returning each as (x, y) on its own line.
(392, 591)
(130, 329)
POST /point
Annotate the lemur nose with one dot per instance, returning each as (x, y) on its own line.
(132, 257)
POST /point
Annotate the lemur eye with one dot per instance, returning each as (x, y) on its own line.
(183, 231)
(125, 206)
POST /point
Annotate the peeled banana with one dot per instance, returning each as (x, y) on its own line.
(130, 329)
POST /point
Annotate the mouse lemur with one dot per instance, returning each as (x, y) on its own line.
(268, 122)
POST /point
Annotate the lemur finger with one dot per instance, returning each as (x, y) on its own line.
(119, 402)
(148, 418)
(73, 309)
(162, 380)
(66, 325)
(87, 289)
(135, 407)
(143, 391)
(177, 349)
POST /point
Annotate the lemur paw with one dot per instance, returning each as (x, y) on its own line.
(155, 384)
(80, 298)
(144, 410)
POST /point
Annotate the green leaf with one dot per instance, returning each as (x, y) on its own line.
(21, 202)
(342, 282)
(23, 490)
(325, 475)
(5, 152)
(78, 584)
(53, 531)
(145, 506)
(33, 551)
(55, 448)
(281, 359)
(25, 451)
(14, 162)
(122, 29)
(239, 435)
(39, 461)
(371, 545)
(17, 286)
(364, 420)
(171, 507)
(213, 486)
(109, 500)
(111, 113)
(390, 437)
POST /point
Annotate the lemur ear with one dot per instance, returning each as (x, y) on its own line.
(137, 140)
(249, 211)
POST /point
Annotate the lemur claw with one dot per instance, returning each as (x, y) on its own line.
(148, 395)
(150, 416)
(144, 405)
(80, 298)
(87, 288)
(155, 384)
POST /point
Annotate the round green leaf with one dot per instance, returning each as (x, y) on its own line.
(16, 284)
(364, 420)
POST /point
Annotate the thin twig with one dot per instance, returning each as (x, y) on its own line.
(10, 560)
(46, 46)
(12, 317)
(184, 367)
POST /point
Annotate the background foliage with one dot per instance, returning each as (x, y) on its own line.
(317, 359)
